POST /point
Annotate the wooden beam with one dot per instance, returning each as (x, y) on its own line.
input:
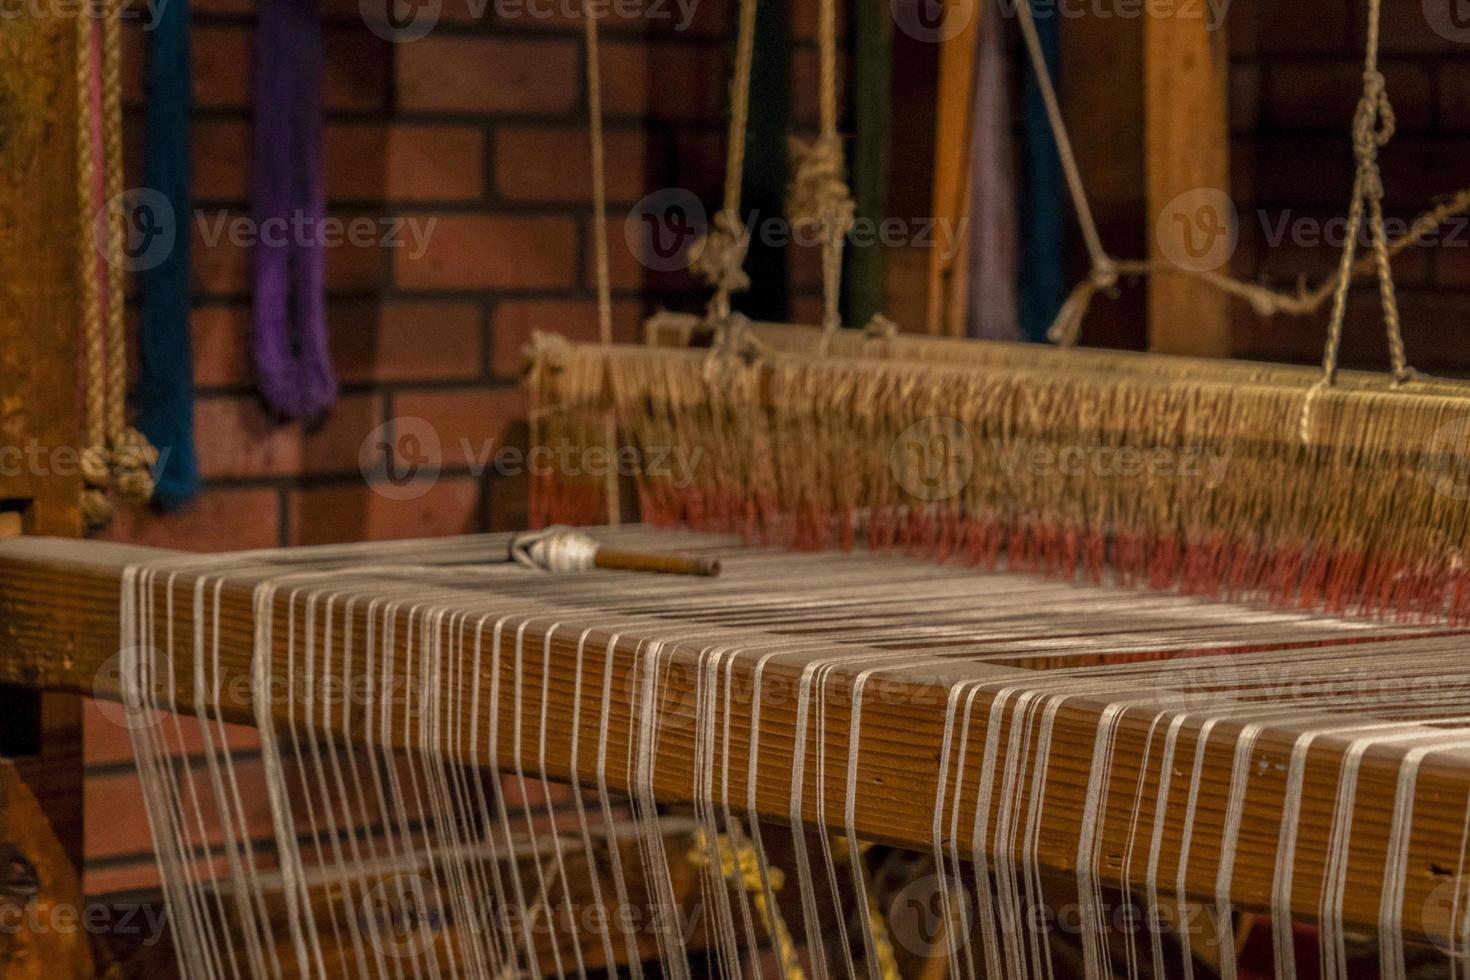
(59, 610)
(1187, 159)
(40, 482)
(945, 312)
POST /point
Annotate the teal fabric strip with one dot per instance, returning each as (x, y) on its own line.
(165, 396)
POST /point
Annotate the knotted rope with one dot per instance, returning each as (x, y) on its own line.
(719, 256)
(819, 199)
(117, 455)
(719, 259)
(1373, 127)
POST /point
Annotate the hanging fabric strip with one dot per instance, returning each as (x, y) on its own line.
(166, 383)
(992, 214)
(293, 362)
(1043, 235)
(872, 108)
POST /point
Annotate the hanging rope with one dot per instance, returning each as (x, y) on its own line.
(133, 458)
(96, 463)
(719, 256)
(116, 456)
(1104, 273)
(1373, 128)
(819, 197)
(612, 490)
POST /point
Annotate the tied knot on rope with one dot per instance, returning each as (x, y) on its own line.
(719, 259)
(1066, 329)
(1373, 127)
(880, 327)
(735, 346)
(133, 460)
(555, 549)
(819, 197)
(96, 468)
(548, 350)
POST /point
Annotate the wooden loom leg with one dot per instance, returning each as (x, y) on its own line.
(42, 915)
(39, 481)
(1188, 169)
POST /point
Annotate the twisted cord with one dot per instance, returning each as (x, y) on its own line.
(612, 491)
(599, 174)
(819, 198)
(1073, 173)
(132, 456)
(719, 257)
(1373, 127)
(95, 460)
(112, 176)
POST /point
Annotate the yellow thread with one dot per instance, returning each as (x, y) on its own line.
(740, 866)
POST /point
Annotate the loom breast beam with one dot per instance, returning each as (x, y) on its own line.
(59, 602)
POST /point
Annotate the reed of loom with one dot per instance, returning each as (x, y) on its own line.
(1254, 481)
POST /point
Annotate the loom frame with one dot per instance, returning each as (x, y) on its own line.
(62, 594)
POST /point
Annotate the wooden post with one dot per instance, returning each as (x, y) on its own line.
(951, 196)
(39, 436)
(1188, 169)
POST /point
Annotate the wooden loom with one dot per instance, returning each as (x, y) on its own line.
(59, 602)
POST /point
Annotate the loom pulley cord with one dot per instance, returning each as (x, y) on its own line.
(1373, 127)
(719, 256)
